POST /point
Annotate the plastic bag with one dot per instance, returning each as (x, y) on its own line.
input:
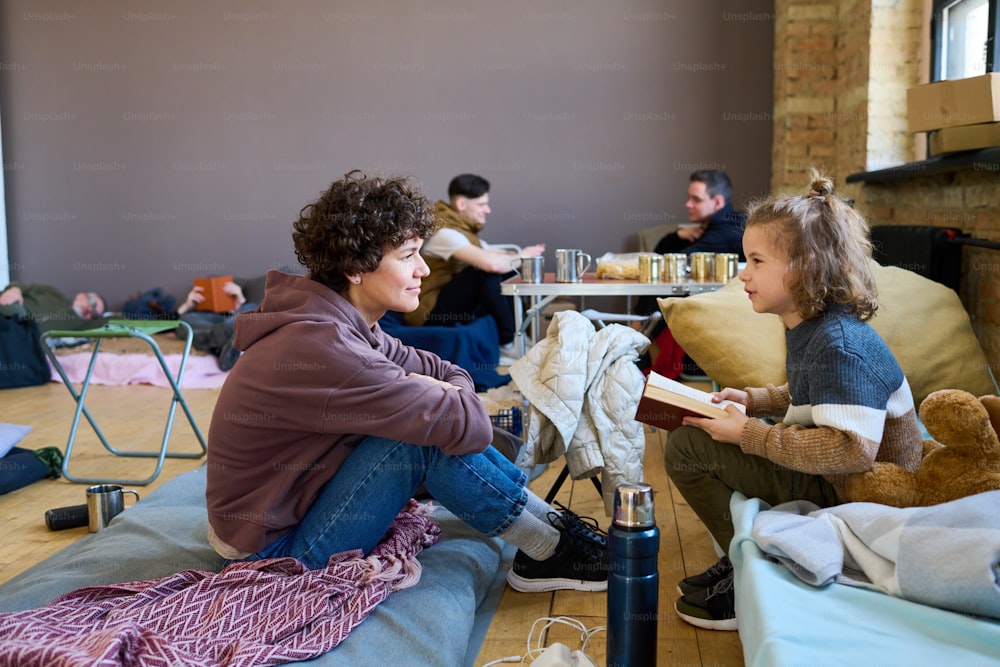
(621, 266)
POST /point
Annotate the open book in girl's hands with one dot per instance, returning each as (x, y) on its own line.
(665, 402)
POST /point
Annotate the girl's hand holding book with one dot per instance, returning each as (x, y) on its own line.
(727, 429)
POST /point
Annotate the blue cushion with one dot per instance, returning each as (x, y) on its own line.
(10, 435)
(428, 625)
(784, 621)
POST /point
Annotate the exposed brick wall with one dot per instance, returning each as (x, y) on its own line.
(981, 289)
(841, 73)
(805, 92)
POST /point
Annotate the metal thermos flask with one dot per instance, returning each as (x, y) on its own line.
(62, 518)
(633, 550)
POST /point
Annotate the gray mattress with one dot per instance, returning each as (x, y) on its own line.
(440, 621)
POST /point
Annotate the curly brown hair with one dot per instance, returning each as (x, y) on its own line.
(351, 226)
(828, 248)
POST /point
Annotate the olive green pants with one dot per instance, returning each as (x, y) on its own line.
(707, 472)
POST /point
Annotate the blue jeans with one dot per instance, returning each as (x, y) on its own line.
(358, 505)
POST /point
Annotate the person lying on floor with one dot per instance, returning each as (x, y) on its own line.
(51, 309)
(327, 426)
(212, 332)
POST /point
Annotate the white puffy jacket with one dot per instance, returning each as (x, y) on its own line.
(583, 387)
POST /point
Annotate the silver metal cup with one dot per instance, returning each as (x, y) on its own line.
(532, 269)
(650, 268)
(633, 506)
(727, 265)
(703, 266)
(571, 264)
(675, 267)
(104, 503)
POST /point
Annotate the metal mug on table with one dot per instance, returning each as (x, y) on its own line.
(571, 264)
(675, 267)
(650, 268)
(727, 265)
(105, 502)
(532, 269)
(702, 266)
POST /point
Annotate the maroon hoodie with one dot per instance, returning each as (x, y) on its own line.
(312, 382)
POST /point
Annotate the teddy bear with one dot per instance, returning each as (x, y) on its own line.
(962, 460)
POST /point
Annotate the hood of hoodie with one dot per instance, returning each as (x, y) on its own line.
(293, 299)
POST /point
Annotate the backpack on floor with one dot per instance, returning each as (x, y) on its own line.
(22, 359)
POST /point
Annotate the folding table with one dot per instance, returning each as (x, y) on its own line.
(543, 293)
(143, 330)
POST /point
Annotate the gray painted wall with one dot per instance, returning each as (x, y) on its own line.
(147, 143)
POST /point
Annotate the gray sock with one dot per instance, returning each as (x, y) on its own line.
(538, 507)
(537, 538)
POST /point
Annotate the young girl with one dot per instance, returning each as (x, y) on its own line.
(846, 405)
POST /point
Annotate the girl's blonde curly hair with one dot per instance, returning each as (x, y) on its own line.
(828, 248)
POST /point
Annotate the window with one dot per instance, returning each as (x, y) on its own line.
(963, 37)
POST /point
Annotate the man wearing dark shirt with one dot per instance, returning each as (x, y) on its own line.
(717, 226)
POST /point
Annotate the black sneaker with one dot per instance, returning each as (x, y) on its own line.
(578, 564)
(710, 577)
(713, 608)
(581, 526)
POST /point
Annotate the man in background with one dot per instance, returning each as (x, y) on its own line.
(466, 271)
(213, 332)
(717, 226)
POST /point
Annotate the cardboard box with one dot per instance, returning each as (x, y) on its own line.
(941, 104)
(216, 299)
(965, 138)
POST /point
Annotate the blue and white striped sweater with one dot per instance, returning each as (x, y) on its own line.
(847, 404)
(848, 380)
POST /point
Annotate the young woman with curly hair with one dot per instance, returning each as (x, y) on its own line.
(327, 426)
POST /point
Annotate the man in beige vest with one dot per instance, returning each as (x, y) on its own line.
(466, 271)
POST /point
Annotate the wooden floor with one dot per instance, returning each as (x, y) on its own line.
(133, 417)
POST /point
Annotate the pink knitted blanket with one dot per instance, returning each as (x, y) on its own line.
(266, 612)
(200, 372)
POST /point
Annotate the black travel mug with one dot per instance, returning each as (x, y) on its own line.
(633, 578)
(62, 518)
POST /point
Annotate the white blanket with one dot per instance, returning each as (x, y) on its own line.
(945, 556)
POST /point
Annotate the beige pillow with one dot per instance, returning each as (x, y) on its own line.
(734, 345)
(922, 322)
